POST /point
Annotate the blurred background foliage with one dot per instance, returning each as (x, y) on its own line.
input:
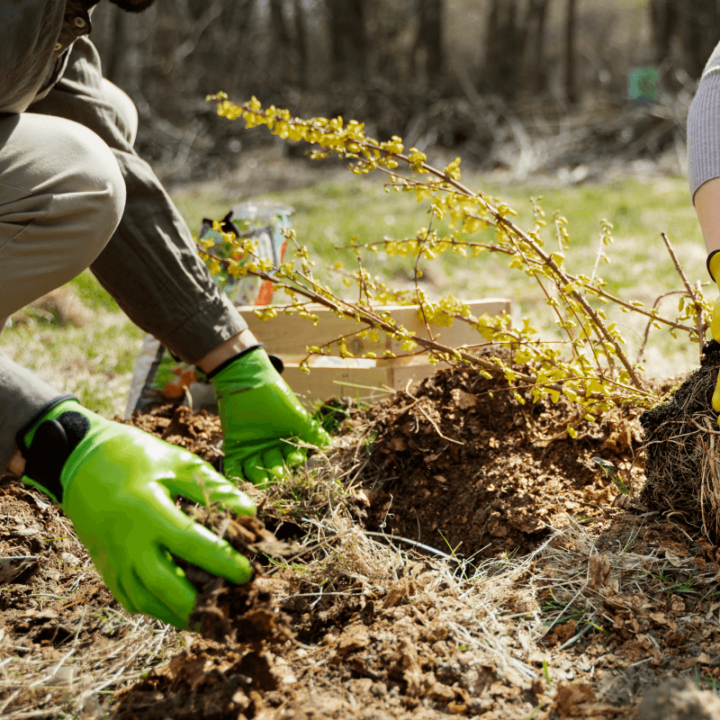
(528, 84)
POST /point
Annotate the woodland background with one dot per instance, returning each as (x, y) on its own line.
(533, 84)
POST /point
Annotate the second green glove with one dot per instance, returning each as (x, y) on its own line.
(264, 425)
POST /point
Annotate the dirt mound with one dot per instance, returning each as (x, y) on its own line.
(683, 450)
(199, 433)
(210, 681)
(382, 653)
(457, 462)
(50, 561)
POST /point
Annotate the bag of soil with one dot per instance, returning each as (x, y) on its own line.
(158, 378)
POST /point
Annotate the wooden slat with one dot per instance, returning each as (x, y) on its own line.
(290, 334)
(458, 334)
(324, 383)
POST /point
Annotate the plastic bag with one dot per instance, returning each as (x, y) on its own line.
(157, 377)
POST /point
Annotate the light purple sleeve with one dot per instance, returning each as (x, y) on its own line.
(703, 127)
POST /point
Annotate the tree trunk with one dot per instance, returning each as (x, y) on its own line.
(282, 51)
(532, 42)
(301, 49)
(699, 25)
(503, 54)
(539, 76)
(571, 91)
(663, 21)
(113, 65)
(430, 39)
(491, 45)
(348, 38)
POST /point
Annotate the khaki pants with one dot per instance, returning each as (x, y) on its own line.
(74, 194)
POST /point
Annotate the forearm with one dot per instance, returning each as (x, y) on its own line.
(22, 396)
(703, 131)
(707, 207)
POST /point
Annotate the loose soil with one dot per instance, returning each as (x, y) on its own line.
(475, 561)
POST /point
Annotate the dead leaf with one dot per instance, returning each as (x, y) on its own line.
(598, 571)
(570, 696)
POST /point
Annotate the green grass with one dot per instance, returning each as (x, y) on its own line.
(92, 294)
(329, 214)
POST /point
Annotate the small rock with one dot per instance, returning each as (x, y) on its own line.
(442, 693)
(70, 560)
(679, 699)
(353, 638)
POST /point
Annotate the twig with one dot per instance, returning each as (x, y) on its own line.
(646, 335)
(417, 287)
(391, 538)
(700, 328)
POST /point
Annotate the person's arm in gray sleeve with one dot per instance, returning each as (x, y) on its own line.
(29, 31)
(704, 166)
(22, 396)
(703, 131)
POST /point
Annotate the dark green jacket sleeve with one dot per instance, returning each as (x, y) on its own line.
(29, 30)
(22, 396)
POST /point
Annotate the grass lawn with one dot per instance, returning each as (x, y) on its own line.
(95, 361)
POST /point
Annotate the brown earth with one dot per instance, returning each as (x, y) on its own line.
(611, 598)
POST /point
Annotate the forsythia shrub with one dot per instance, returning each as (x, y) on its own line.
(591, 368)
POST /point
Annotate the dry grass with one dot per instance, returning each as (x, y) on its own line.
(88, 674)
(499, 612)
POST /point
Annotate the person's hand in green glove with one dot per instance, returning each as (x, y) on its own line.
(117, 484)
(265, 428)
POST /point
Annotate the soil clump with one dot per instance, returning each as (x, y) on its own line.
(238, 614)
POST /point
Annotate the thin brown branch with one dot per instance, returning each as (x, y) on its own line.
(646, 335)
(441, 351)
(700, 326)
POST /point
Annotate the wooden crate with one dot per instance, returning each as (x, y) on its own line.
(288, 336)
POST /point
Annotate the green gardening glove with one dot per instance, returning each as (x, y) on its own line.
(713, 266)
(118, 484)
(262, 420)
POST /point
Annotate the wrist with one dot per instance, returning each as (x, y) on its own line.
(17, 464)
(226, 350)
(49, 439)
